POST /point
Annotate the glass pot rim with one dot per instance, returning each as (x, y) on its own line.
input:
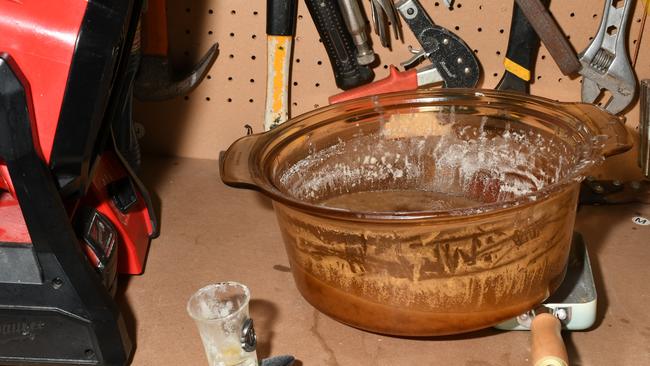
(605, 133)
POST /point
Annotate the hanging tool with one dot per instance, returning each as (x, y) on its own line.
(156, 80)
(396, 81)
(551, 34)
(451, 57)
(384, 15)
(644, 128)
(340, 48)
(523, 44)
(603, 65)
(454, 63)
(280, 30)
(356, 24)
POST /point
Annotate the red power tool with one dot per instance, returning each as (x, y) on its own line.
(72, 213)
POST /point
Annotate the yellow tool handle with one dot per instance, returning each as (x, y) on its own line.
(277, 82)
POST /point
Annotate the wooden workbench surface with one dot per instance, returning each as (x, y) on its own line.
(212, 233)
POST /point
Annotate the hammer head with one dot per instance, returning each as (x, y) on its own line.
(156, 80)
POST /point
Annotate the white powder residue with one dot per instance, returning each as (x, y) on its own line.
(472, 156)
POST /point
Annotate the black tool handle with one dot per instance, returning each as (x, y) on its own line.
(281, 17)
(523, 45)
(339, 45)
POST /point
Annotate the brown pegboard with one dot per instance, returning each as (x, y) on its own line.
(206, 121)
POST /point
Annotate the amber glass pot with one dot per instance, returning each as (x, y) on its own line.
(427, 213)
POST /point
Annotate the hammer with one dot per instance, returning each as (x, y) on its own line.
(156, 80)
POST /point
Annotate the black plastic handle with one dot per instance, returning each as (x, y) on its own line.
(281, 17)
(523, 45)
(338, 44)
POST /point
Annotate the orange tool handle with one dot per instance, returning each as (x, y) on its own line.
(154, 29)
(396, 81)
(547, 345)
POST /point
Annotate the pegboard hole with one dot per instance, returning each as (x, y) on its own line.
(319, 62)
(559, 80)
(251, 100)
(187, 10)
(295, 104)
(186, 97)
(297, 60)
(255, 12)
(233, 12)
(210, 32)
(475, 51)
(498, 53)
(187, 31)
(209, 77)
(229, 100)
(229, 78)
(480, 7)
(252, 80)
(436, 4)
(253, 57)
(572, 15)
(210, 11)
(595, 16)
(501, 31)
(612, 30)
(295, 83)
(385, 66)
(634, 41)
(457, 28)
(299, 17)
(254, 36)
(495, 74)
(231, 56)
(459, 5)
(539, 77)
(480, 29)
(317, 85)
(207, 99)
(232, 34)
(638, 20)
(543, 57)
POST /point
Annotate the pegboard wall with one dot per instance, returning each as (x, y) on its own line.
(208, 120)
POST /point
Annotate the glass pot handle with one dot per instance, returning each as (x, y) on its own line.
(618, 139)
(234, 165)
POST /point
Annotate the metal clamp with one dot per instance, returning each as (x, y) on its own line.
(248, 338)
(563, 314)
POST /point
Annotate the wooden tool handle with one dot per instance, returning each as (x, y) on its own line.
(547, 344)
(154, 29)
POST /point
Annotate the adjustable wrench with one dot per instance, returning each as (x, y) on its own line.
(605, 64)
(451, 57)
